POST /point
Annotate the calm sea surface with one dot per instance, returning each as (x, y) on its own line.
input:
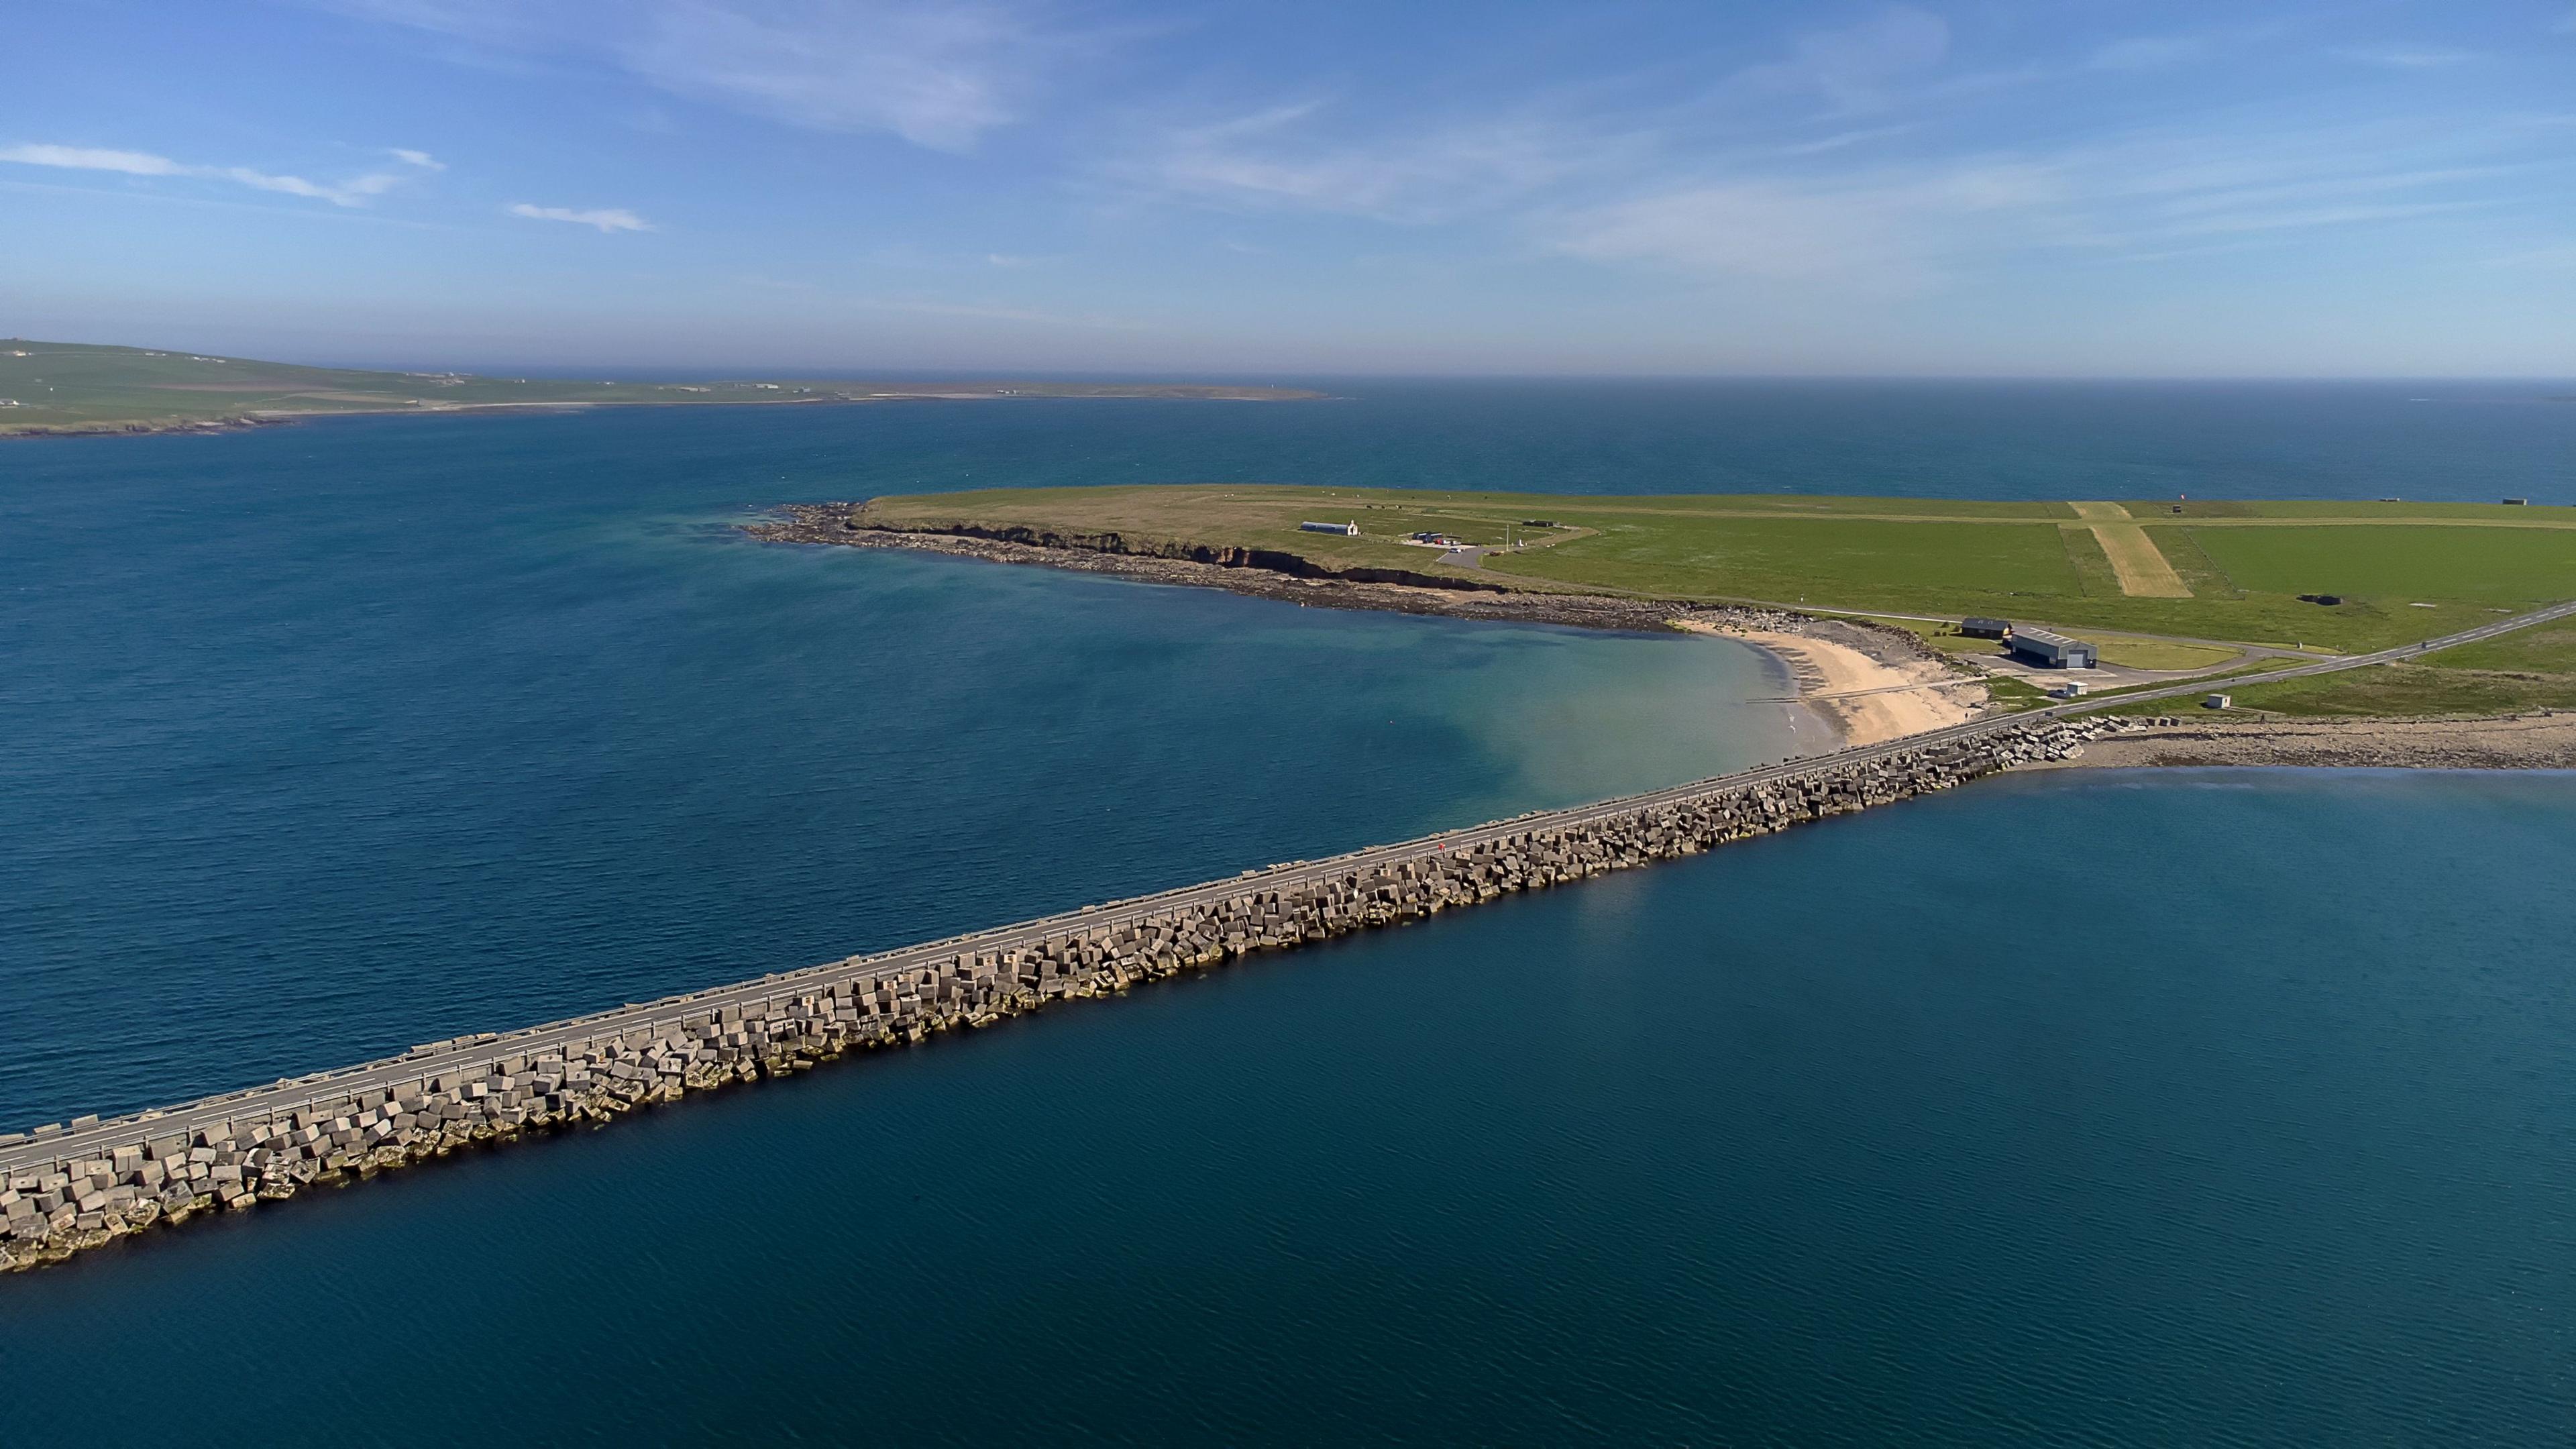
(2195, 1108)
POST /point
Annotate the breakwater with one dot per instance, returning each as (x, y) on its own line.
(66, 1188)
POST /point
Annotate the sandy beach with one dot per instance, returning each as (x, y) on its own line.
(1867, 697)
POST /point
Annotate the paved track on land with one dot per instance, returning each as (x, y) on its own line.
(286, 1096)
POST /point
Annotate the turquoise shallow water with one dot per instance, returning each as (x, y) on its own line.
(326, 740)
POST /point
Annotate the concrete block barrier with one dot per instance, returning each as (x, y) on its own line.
(65, 1190)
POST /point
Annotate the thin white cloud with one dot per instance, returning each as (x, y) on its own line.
(994, 312)
(421, 159)
(1881, 231)
(1312, 156)
(2403, 57)
(352, 192)
(607, 219)
(939, 73)
(1854, 68)
(1901, 229)
(2142, 53)
(1268, 160)
(92, 158)
(2546, 258)
(2150, 52)
(1840, 140)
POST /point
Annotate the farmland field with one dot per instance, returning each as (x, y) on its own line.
(2403, 571)
(2395, 563)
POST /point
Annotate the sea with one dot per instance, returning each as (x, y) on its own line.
(2211, 1107)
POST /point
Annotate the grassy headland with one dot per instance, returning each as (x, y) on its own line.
(2400, 572)
(68, 387)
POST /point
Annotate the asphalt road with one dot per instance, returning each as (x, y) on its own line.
(286, 1096)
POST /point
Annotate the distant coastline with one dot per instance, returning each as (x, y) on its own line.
(283, 417)
(70, 389)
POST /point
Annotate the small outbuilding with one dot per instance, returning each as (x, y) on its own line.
(1981, 628)
(2219, 701)
(2050, 650)
(1347, 530)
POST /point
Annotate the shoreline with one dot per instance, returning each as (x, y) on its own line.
(1867, 683)
(1291, 579)
(2541, 741)
(1866, 696)
(287, 417)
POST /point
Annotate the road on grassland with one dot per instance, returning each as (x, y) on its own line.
(287, 1096)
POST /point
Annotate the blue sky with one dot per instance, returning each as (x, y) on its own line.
(2016, 187)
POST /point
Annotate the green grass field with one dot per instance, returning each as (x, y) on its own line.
(2531, 669)
(2125, 649)
(2404, 572)
(75, 387)
(2397, 564)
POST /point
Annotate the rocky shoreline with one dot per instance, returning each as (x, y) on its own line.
(241, 423)
(2542, 741)
(72, 1189)
(1292, 578)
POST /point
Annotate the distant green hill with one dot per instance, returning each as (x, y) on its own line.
(71, 387)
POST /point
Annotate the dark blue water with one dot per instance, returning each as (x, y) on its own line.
(2454, 441)
(325, 740)
(1819, 1140)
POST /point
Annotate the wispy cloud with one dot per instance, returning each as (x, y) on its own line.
(421, 159)
(93, 158)
(2545, 258)
(607, 219)
(353, 192)
(1334, 156)
(1854, 68)
(997, 312)
(2149, 52)
(1880, 230)
(2149, 193)
(1272, 159)
(2405, 57)
(939, 73)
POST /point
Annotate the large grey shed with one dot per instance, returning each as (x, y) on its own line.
(2053, 651)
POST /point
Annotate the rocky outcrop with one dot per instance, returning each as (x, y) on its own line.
(128, 427)
(68, 1189)
(1293, 578)
(2545, 740)
(1224, 556)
